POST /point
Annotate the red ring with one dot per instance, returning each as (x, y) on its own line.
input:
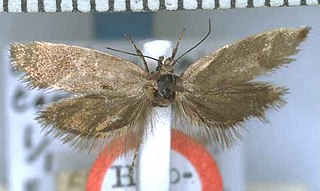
(200, 158)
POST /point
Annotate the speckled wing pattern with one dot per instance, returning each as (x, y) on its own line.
(91, 122)
(220, 93)
(111, 100)
(76, 69)
(114, 100)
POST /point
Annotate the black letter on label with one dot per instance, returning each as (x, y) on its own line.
(120, 176)
(28, 131)
(31, 185)
(175, 175)
(19, 100)
(48, 162)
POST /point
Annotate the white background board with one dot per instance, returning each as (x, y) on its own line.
(282, 152)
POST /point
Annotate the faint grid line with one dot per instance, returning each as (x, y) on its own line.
(58, 5)
(93, 6)
(267, 3)
(40, 6)
(162, 5)
(145, 5)
(199, 4)
(111, 5)
(128, 5)
(180, 5)
(233, 3)
(24, 6)
(74, 6)
(250, 3)
(216, 4)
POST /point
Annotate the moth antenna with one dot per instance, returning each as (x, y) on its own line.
(174, 52)
(138, 51)
(203, 39)
(130, 53)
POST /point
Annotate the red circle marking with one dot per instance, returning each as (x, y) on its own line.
(200, 158)
(102, 164)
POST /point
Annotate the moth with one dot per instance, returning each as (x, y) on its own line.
(114, 98)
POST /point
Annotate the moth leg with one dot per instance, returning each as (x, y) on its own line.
(133, 163)
(138, 51)
(175, 50)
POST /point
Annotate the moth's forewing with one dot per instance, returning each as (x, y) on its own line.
(246, 59)
(76, 69)
(217, 99)
(218, 96)
(93, 121)
(115, 102)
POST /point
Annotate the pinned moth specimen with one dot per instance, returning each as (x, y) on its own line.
(115, 98)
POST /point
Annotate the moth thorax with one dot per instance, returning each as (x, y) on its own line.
(164, 68)
(165, 83)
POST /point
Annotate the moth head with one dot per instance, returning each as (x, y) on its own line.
(165, 65)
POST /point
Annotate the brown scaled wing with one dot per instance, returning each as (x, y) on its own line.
(219, 94)
(112, 99)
